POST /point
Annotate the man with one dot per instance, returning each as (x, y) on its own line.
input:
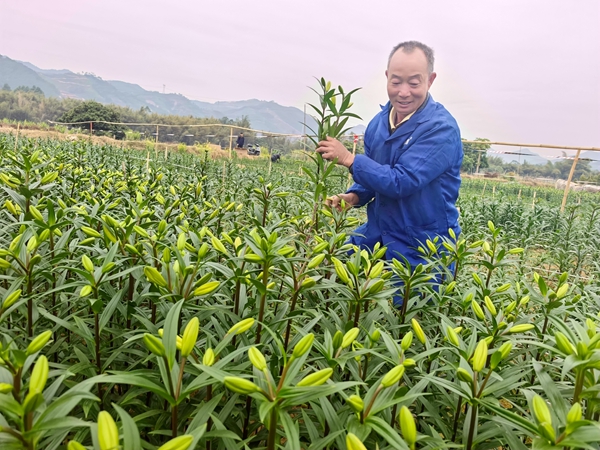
(411, 165)
(240, 141)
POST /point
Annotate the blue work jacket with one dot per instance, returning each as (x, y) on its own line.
(410, 180)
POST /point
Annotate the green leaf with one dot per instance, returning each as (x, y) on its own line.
(170, 332)
(130, 433)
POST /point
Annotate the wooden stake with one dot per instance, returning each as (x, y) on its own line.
(224, 171)
(533, 202)
(17, 138)
(568, 186)
(484, 185)
(230, 141)
(493, 191)
(148, 161)
(519, 196)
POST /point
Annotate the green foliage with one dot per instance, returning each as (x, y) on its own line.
(93, 111)
(191, 304)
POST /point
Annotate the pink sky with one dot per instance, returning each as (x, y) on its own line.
(510, 70)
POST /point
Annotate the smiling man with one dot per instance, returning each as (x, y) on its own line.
(410, 173)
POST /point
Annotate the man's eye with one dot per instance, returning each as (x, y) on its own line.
(414, 84)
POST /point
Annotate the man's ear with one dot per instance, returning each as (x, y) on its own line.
(432, 76)
(386, 74)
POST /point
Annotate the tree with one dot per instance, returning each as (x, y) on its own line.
(6, 87)
(475, 155)
(93, 111)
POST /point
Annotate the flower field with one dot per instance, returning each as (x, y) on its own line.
(191, 303)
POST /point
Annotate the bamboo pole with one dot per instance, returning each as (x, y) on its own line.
(533, 202)
(17, 138)
(568, 186)
(512, 144)
(230, 141)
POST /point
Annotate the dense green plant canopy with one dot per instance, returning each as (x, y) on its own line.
(191, 299)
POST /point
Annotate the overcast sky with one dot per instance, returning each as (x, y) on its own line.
(509, 70)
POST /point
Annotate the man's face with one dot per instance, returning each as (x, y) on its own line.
(408, 81)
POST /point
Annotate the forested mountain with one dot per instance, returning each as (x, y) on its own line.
(263, 115)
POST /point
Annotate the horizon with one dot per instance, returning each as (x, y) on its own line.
(503, 77)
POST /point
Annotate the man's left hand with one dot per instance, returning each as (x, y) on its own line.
(332, 148)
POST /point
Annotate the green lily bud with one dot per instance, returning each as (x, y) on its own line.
(140, 231)
(418, 331)
(338, 337)
(154, 344)
(393, 376)
(6, 388)
(320, 247)
(257, 358)
(490, 305)
(316, 379)
(340, 270)
(178, 340)
(350, 337)
(240, 385)
(182, 442)
(541, 410)
(85, 291)
(354, 443)
(87, 264)
(376, 335)
(11, 299)
(408, 427)
(477, 310)
(36, 213)
(32, 244)
(154, 276)
(303, 345)
(242, 326)
(524, 300)
(206, 288)
(521, 328)
(464, 375)
(316, 261)
(562, 291)
(38, 343)
(505, 287)
(480, 356)
(582, 349)
(376, 287)
(500, 354)
(452, 336)
(209, 357)
(574, 414)
(108, 433)
(355, 402)
(39, 376)
(190, 335)
(376, 270)
(308, 282)
(74, 445)
(409, 362)
(91, 232)
(4, 264)
(218, 245)
(406, 341)
(510, 308)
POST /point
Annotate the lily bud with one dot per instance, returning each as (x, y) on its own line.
(477, 310)
(218, 245)
(36, 213)
(350, 337)
(340, 270)
(257, 358)
(338, 337)
(406, 341)
(541, 410)
(190, 335)
(209, 357)
(316, 261)
(574, 414)
(5, 388)
(182, 442)
(393, 376)
(317, 378)
(355, 402)
(480, 356)
(154, 276)
(452, 336)
(87, 264)
(242, 326)
(490, 305)
(91, 232)
(521, 328)
(409, 362)
(375, 335)
(240, 385)
(108, 433)
(154, 344)
(563, 343)
(206, 288)
(418, 331)
(464, 375)
(354, 443)
(38, 343)
(408, 426)
(303, 345)
(11, 299)
(74, 445)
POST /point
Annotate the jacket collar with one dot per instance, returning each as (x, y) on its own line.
(423, 114)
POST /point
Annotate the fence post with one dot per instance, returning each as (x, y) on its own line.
(230, 141)
(568, 186)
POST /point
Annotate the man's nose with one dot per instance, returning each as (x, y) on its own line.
(403, 91)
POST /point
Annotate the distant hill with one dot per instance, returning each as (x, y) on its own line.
(510, 154)
(594, 156)
(263, 115)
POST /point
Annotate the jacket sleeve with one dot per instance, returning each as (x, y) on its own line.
(364, 195)
(428, 157)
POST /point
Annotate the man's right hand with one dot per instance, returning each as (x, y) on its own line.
(351, 199)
